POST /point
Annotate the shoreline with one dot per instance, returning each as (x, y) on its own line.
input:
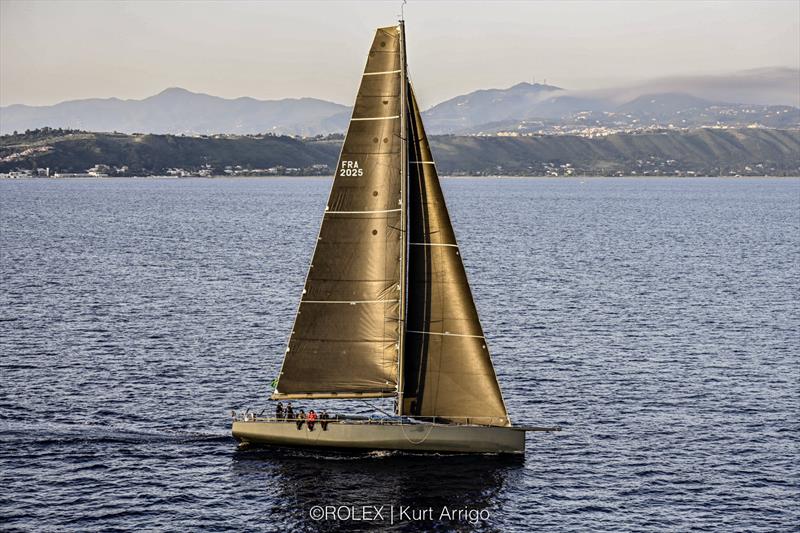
(492, 177)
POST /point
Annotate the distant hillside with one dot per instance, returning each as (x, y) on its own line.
(534, 108)
(155, 154)
(752, 151)
(766, 97)
(180, 111)
(701, 152)
(491, 105)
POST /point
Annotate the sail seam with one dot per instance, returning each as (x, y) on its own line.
(375, 118)
(424, 162)
(432, 244)
(332, 395)
(445, 334)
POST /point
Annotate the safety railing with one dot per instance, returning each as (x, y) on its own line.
(404, 420)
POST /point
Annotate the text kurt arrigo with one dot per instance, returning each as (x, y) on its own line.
(392, 514)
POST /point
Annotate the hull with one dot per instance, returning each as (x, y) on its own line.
(384, 436)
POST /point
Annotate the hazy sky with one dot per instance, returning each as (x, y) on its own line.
(59, 50)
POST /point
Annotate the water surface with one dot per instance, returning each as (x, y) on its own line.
(655, 320)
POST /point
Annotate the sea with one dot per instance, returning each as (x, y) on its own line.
(655, 320)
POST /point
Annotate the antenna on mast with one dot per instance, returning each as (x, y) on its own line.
(402, 11)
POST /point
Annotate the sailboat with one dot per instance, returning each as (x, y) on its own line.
(386, 310)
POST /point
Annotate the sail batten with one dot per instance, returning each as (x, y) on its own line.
(446, 333)
(361, 212)
(277, 395)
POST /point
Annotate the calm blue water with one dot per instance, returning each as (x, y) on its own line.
(655, 320)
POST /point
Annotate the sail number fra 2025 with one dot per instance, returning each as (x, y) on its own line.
(350, 168)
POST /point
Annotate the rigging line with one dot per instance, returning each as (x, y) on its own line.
(376, 408)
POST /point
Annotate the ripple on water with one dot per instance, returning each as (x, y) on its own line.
(655, 320)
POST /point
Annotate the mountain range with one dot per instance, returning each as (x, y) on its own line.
(176, 110)
(766, 97)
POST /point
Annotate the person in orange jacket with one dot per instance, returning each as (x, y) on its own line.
(312, 417)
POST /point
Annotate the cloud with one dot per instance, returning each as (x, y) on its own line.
(767, 86)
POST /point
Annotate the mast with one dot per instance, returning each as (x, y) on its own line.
(403, 212)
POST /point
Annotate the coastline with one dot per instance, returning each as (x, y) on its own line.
(499, 177)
